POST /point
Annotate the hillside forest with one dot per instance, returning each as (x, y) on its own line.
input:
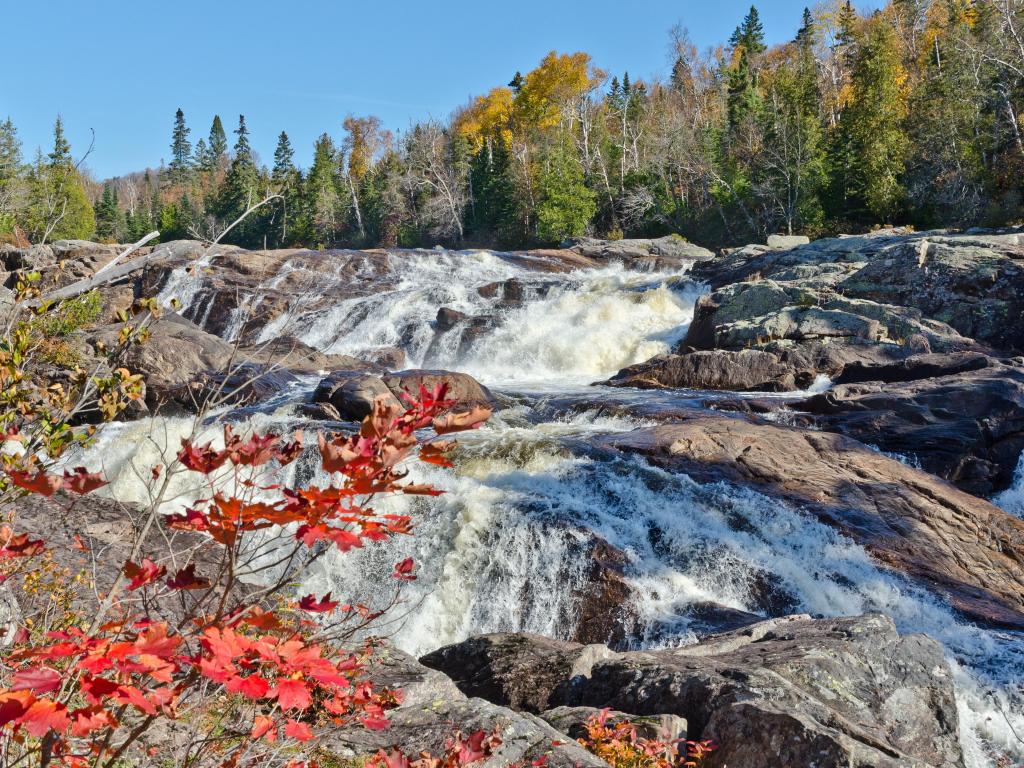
(909, 114)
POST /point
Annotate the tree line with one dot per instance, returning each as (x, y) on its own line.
(909, 114)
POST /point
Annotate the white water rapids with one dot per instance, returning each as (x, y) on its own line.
(506, 547)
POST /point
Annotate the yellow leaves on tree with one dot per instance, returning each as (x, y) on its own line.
(489, 116)
(547, 96)
(553, 87)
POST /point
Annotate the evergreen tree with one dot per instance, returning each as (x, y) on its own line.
(495, 212)
(180, 167)
(284, 165)
(240, 191)
(873, 144)
(217, 146)
(807, 35)
(516, 83)
(11, 186)
(61, 153)
(566, 205)
(201, 156)
(323, 204)
(749, 35)
(108, 214)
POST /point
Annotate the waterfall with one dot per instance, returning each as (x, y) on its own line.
(506, 547)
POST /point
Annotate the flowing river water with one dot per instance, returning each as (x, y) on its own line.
(506, 548)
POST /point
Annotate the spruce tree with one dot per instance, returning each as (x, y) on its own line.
(284, 165)
(323, 206)
(61, 153)
(240, 190)
(749, 34)
(566, 205)
(217, 146)
(201, 156)
(181, 151)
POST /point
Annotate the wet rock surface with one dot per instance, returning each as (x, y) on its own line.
(908, 519)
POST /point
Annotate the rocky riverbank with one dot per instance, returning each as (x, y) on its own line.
(864, 392)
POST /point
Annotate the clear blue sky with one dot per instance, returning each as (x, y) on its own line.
(123, 67)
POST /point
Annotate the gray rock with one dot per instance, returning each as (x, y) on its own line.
(352, 394)
(785, 692)
(787, 241)
(746, 370)
(461, 386)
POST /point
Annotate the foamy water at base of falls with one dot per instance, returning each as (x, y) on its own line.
(505, 548)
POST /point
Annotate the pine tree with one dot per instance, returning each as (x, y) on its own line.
(180, 167)
(108, 215)
(323, 204)
(516, 83)
(566, 204)
(872, 142)
(240, 191)
(201, 156)
(11, 186)
(807, 35)
(287, 182)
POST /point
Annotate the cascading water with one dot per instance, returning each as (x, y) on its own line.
(506, 547)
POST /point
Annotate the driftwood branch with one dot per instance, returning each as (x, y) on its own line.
(107, 273)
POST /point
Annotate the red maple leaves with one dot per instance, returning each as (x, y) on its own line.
(84, 689)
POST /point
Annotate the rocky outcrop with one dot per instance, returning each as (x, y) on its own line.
(960, 417)
(432, 707)
(909, 520)
(785, 692)
(661, 253)
(461, 386)
(747, 370)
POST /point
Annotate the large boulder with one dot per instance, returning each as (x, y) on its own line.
(747, 370)
(519, 670)
(671, 251)
(963, 548)
(461, 386)
(785, 692)
(352, 394)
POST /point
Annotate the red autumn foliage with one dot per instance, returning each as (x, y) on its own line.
(241, 663)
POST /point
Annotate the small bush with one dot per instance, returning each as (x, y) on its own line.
(71, 315)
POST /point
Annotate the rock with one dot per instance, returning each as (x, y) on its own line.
(433, 708)
(298, 357)
(746, 370)
(351, 394)
(572, 721)
(922, 366)
(461, 386)
(660, 253)
(448, 318)
(963, 548)
(787, 241)
(318, 411)
(707, 618)
(604, 611)
(388, 358)
(960, 416)
(521, 670)
(795, 691)
(240, 384)
(175, 355)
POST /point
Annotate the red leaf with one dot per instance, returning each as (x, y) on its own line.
(252, 687)
(186, 579)
(144, 574)
(298, 731)
(375, 723)
(89, 720)
(292, 694)
(78, 480)
(403, 570)
(40, 482)
(14, 705)
(263, 726)
(43, 716)
(323, 605)
(460, 421)
(38, 679)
